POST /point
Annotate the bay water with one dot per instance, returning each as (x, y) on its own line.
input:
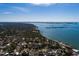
(65, 32)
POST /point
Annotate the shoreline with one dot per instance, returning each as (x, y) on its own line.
(61, 43)
(19, 39)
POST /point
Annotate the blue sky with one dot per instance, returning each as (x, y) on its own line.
(37, 12)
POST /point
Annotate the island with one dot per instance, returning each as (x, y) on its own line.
(24, 39)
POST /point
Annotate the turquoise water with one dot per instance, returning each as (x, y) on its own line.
(65, 32)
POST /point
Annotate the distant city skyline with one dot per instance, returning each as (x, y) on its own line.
(32, 12)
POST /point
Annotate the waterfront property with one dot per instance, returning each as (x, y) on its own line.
(20, 39)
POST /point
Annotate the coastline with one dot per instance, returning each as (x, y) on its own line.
(75, 51)
(19, 39)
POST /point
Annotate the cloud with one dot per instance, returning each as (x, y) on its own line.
(7, 12)
(43, 4)
(21, 9)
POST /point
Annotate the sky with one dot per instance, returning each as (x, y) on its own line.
(39, 12)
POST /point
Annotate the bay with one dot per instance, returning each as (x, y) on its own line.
(65, 32)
